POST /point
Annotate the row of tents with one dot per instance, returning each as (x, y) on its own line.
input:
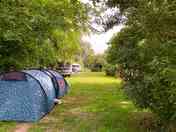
(30, 94)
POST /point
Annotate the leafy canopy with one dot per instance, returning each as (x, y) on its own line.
(145, 53)
(33, 32)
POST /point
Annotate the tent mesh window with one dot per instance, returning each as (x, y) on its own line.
(13, 76)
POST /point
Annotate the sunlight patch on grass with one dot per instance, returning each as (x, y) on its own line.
(94, 78)
(125, 102)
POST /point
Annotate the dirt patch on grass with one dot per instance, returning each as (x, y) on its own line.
(142, 120)
(23, 127)
(147, 122)
(75, 100)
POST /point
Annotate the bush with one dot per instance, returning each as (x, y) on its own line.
(110, 70)
(148, 70)
(145, 51)
(96, 67)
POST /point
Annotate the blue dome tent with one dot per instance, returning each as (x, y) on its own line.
(27, 95)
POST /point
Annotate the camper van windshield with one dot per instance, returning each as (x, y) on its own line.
(75, 66)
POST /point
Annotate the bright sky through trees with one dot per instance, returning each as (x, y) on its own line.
(99, 41)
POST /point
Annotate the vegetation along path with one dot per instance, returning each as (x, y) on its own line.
(95, 103)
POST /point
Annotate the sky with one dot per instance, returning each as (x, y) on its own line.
(99, 41)
(85, 1)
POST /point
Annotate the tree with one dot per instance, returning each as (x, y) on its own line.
(145, 53)
(98, 63)
(87, 54)
(28, 29)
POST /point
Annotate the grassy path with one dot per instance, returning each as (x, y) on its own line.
(95, 103)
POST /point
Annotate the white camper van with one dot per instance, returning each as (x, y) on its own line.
(76, 68)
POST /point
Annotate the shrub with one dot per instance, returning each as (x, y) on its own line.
(110, 70)
(149, 72)
(96, 67)
(145, 51)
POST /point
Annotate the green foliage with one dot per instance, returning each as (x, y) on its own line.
(98, 63)
(145, 53)
(110, 70)
(87, 54)
(92, 61)
(29, 31)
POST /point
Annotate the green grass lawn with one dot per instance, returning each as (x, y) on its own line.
(7, 126)
(95, 103)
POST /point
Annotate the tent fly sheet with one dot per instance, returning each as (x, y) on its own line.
(27, 95)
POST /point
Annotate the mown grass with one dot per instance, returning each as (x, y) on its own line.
(95, 103)
(7, 126)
